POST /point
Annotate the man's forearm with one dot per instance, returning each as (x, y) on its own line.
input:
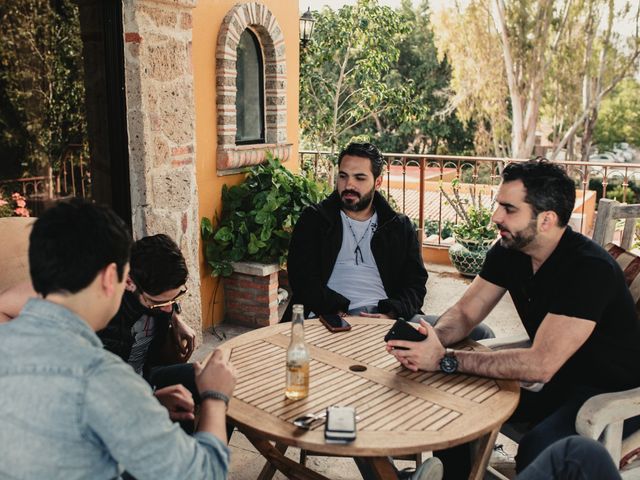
(452, 327)
(213, 419)
(513, 364)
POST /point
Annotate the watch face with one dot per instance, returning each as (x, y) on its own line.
(449, 364)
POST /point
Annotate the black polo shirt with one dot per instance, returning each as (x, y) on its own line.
(580, 279)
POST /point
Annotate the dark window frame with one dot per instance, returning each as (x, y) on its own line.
(262, 138)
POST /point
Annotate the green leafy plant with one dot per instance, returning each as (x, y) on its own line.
(431, 227)
(474, 219)
(258, 217)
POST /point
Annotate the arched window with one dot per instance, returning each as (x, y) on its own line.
(250, 93)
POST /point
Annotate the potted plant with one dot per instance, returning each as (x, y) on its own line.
(251, 237)
(258, 217)
(474, 233)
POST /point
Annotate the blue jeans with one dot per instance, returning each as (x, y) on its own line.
(572, 458)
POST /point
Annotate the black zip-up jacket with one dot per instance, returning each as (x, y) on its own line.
(314, 248)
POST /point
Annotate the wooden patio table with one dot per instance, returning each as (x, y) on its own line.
(400, 412)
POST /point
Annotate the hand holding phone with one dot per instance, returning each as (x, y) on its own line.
(401, 330)
(341, 425)
(334, 322)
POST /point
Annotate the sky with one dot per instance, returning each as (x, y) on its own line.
(435, 5)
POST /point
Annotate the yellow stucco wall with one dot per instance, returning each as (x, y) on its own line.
(207, 18)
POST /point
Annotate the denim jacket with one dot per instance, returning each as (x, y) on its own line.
(71, 410)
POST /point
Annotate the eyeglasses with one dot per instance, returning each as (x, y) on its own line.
(150, 302)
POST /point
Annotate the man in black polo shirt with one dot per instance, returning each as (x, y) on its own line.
(571, 297)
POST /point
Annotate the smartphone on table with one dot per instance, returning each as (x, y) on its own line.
(334, 322)
(341, 425)
(401, 330)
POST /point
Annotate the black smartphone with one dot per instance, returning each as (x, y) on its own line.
(334, 322)
(341, 424)
(401, 330)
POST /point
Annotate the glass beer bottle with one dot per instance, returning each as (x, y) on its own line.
(297, 358)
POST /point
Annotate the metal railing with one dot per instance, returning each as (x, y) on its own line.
(415, 182)
(72, 178)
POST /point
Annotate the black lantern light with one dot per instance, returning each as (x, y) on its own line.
(306, 27)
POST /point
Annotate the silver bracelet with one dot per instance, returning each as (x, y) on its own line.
(214, 395)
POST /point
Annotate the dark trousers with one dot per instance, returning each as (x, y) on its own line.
(183, 374)
(547, 416)
(572, 458)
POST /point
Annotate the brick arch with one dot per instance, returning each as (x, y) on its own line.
(265, 25)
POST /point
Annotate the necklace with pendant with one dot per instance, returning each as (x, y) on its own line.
(358, 251)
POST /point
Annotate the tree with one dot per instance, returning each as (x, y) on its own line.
(41, 80)
(619, 117)
(532, 35)
(342, 72)
(424, 129)
(478, 90)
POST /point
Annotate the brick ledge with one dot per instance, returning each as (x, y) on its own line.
(246, 155)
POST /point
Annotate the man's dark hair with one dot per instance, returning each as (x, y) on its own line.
(548, 186)
(365, 150)
(157, 264)
(71, 242)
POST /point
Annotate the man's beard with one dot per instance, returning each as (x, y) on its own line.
(356, 206)
(521, 239)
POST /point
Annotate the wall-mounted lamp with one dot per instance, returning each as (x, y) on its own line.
(306, 27)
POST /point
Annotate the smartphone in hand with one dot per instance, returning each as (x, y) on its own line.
(402, 330)
(334, 322)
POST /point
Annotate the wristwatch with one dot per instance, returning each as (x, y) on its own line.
(449, 363)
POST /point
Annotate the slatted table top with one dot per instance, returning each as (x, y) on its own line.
(400, 412)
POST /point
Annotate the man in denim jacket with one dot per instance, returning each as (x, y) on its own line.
(71, 409)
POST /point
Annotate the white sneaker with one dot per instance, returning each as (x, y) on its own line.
(432, 469)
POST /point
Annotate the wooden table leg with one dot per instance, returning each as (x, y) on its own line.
(382, 468)
(275, 457)
(268, 471)
(482, 449)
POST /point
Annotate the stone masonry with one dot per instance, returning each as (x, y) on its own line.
(161, 126)
(265, 25)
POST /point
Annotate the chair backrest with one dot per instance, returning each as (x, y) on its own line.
(609, 213)
(14, 251)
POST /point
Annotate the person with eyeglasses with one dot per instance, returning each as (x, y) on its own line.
(147, 332)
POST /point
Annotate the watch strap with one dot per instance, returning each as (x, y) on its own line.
(214, 395)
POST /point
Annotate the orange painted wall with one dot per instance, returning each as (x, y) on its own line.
(207, 18)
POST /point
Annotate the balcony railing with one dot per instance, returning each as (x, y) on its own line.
(72, 178)
(415, 182)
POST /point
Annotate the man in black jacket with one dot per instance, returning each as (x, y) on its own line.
(352, 253)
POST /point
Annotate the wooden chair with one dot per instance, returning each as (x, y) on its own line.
(601, 417)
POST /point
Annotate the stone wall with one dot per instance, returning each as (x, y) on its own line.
(161, 126)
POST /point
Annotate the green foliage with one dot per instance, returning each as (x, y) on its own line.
(615, 190)
(431, 227)
(41, 81)
(477, 226)
(14, 206)
(426, 128)
(619, 117)
(258, 217)
(474, 219)
(343, 70)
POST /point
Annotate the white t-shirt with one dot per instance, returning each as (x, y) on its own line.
(355, 274)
